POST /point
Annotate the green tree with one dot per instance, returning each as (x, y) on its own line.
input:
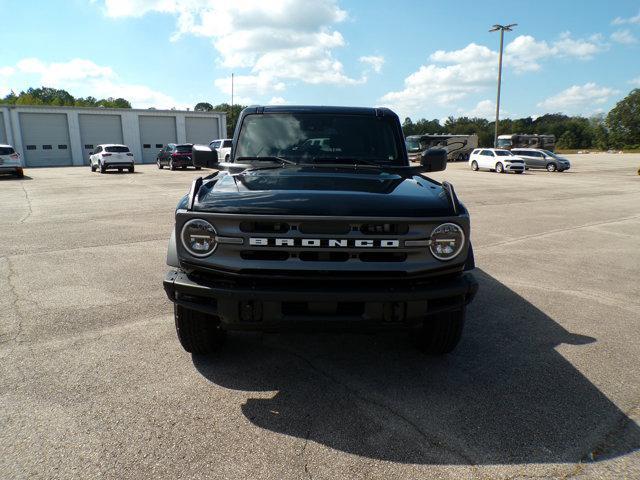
(232, 115)
(623, 121)
(567, 140)
(203, 107)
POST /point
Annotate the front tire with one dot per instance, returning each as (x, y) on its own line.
(102, 168)
(499, 168)
(171, 165)
(551, 167)
(198, 332)
(226, 158)
(441, 332)
(474, 166)
(159, 165)
(132, 169)
(93, 167)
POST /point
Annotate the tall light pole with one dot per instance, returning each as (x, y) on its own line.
(232, 91)
(502, 28)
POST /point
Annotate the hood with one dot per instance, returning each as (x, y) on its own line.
(324, 191)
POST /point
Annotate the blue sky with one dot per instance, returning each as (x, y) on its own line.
(421, 58)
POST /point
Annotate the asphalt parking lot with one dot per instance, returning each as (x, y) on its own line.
(545, 383)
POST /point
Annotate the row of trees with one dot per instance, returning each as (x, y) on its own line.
(58, 97)
(620, 128)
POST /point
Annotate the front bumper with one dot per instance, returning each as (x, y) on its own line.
(514, 167)
(383, 305)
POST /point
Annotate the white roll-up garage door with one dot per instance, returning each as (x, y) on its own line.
(45, 139)
(202, 130)
(3, 129)
(155, 133)
(97, 129)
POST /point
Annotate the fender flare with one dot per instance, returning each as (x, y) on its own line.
(172, 252)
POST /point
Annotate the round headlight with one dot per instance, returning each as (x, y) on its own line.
(199, 237)
(447, 241)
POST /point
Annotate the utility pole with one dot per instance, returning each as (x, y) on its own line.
(502, 29)
(232, 91)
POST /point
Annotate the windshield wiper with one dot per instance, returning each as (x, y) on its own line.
(355, 161)
(269, 159)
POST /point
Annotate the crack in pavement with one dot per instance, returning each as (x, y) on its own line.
(432, 441)
(15, 302)
(552, 232)
(26, 196)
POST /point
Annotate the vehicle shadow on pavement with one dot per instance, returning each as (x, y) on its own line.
(14, 178)
(505, 396)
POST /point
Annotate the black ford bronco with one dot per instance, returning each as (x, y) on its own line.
(319, 221)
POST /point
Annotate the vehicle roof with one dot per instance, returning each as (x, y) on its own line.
(181, 144)
(320, 109)
(6, 145)
(492, 148)
(111, 145)
(528, 148)
(219, 139)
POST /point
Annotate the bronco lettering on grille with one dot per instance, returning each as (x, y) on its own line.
(323, 242)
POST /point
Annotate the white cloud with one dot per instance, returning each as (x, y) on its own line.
(277, 101)
(484, 109)
(453, 75)
(578, 99)
(375, 61)
(277, 41)
(624, 37)
(7, 71)
(84, 77)
(631, 20)
(635, 81)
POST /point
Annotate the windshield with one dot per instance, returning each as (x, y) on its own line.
(226, 144)
(412, 144)
(550, 154)
(184, 148)
(504, 142)
(503, 153)
(300, 136)
(6, 150)
(117, 149)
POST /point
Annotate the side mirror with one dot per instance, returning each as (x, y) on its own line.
(204, 156)
(434, 160)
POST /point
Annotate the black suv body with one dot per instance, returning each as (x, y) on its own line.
(175, 156)
(319, 221)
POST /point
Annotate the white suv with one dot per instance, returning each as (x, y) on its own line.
(223, 147)
(495, 159)
(110, 156)
(10, 161)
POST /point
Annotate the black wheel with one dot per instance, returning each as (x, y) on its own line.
(198, 168)
(197, 331)
(499, 168)
(551, 167)
(441, 332)
(184, 167)
(119, 170)
(93, 167)
(102, 168)
(159, 165)
(519, 171)
(226, 158)
(474, 166)
(171, 165)
(132, 169)
(19, 173)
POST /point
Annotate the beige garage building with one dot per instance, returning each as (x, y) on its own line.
(59, 136)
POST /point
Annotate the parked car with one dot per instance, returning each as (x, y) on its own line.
(539, 158)
(223, 147)
(175, 155)
(111, 156)
(10, 161)
(495, 159)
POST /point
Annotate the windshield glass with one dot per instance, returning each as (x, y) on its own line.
(6, 150)
(117, 149)
(412, 144)
(504, 142)
(503, 153)
(550, 154)
(184, 148)
(226, 144)
(300, 136)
